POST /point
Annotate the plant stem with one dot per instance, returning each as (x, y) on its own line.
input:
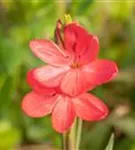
(71, 140)
(65, 141)
(79, 131)
(72, 136)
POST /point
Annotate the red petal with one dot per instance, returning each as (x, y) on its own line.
(90, 51)
(100, 71)
(37, 86)
(89, 107)
(73, 82)
(63, 114)
(50, 76)
(78, 40)
(36, 105)
(74, 34)
(49, 52)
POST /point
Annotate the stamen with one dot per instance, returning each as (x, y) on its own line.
(75, 65)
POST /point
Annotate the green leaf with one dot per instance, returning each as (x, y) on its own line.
(110, 143)
(5, 92)
(97, 131)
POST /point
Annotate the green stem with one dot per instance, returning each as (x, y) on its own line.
(72, 136)
(65, 141)
(71, 140)
(79, 131)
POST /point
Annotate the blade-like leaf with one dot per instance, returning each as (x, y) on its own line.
(110, 143)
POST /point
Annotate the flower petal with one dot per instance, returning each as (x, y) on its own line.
(89, 107)
(90, 51)
(74, 34)
(84, 45)
(100, 71)
(63, 114)
(50, 76)
(37, 86)
(72, 83)
(49, 52)
(36, 105)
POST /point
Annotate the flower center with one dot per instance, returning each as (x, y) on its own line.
(75, 65)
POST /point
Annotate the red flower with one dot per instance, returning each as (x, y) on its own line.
(43, 101)
(73, 63)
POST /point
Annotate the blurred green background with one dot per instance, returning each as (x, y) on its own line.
(21, 21)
